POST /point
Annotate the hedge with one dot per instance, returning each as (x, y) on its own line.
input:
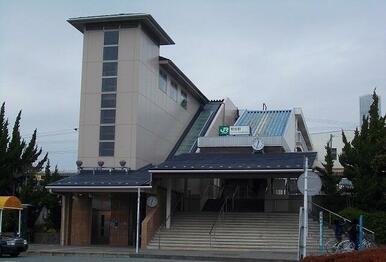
(369, 255)
(375, 221)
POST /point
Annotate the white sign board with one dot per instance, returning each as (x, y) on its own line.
(239, 130)
(314, 183)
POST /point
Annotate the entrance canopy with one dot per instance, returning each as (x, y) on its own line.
(236, 163)
(10, 202)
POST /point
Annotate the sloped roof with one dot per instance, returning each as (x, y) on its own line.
(236, 161)
(129, 19)
(105, 178)
(265, 123)
(179, 76)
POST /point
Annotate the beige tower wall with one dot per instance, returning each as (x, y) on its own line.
(148, 122)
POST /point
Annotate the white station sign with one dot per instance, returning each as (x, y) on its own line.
(239, 130)
(314, 184)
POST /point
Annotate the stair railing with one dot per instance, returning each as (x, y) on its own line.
(216, 192)
(172, 213)
(331, 216)
(221, 213)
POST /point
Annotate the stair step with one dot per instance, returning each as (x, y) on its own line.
(236, 231)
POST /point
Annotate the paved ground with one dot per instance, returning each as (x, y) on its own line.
(38, 258)
(108, 253)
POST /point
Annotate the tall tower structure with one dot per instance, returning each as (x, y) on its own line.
(129, 111)
(365, 102)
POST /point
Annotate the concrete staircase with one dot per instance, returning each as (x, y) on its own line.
(272, 232)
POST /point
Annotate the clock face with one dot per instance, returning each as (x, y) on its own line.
(152, 201)
(257, 144)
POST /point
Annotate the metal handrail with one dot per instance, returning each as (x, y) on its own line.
(223, 209)
(205, 194)
(341, 217)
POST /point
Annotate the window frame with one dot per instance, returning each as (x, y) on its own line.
(108, 122)
(102, 129)
(106, 95)
(112, 150)
(162, 73)
(184, 95)
(173, 86)
(107, 31)
(104, 86)
(104, 74)
(109, 47)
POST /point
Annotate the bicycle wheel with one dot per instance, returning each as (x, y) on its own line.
(367, 243)
(345, 246)
(331, 246)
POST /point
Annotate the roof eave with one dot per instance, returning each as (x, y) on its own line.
(227, 170)
(146, 19)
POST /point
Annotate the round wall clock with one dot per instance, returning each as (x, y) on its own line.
(152, 201)
(257, 144)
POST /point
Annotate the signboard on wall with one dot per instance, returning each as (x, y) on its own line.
(239, 130)
(223, 131)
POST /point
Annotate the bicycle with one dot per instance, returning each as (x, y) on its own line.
(334, 246)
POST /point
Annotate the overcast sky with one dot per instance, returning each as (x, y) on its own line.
(317, 55)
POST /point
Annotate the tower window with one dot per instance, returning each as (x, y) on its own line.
(109, 84)
(173, 91)
(162, 81)
(106, 148)
(108, 101)
(110, 53)
(111, 38)
(110, 69)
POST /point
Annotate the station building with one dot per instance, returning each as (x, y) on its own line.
(152, 145)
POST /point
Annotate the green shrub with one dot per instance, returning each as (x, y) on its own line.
(375, 221)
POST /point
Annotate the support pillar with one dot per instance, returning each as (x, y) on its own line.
(19, 226)
(138, 222)
(168, 202)
(65, 220)
(1, 220)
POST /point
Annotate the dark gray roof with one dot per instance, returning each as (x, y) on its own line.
(232, 161)
(107, 178)
(173, 70)
(149, 23)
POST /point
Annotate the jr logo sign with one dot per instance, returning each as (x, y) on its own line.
(223, 131)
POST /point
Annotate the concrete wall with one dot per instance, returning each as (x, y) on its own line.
(290, 132)
(226, 115)
(148, 122)
(320, 140)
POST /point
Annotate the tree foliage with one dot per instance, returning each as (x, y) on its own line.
(329, 179)
(18, 159)
(20, 162)
(364, 160)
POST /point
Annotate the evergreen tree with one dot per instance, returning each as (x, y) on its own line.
(364, 160)
(329, 179)
(18, 159)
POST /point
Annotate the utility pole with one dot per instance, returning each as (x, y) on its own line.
(305, 204)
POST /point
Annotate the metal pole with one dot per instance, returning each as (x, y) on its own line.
(138, 210)
(361, 235)
(305, 205)
(168, 203)
(321, 231)
(1, 220)
(19, 229)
